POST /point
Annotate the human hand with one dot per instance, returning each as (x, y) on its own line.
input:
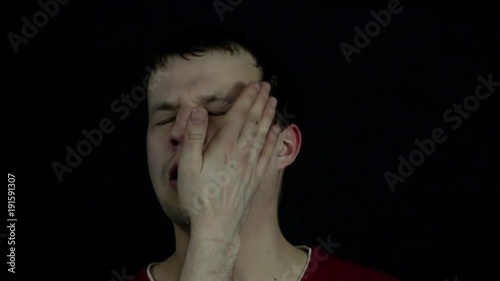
(217, 184)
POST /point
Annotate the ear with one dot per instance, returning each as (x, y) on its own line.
(290, 146)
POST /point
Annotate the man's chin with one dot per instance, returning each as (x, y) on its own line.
(179, 217)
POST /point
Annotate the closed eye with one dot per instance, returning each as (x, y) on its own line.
(166, 121)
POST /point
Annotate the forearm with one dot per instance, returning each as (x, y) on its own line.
(210, 260)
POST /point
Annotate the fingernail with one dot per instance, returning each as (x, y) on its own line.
(273, 102)
(198, 116)
(276, 129)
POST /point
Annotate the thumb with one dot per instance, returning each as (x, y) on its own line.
(196, 130)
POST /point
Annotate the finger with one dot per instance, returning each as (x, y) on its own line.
(267, 118)
(192, 151)
(254, 120)
(237, 114)
(271, 148)
(252, 146)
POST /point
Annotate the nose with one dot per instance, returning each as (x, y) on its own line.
(178, 130)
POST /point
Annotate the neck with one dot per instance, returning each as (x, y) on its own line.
(264, 252)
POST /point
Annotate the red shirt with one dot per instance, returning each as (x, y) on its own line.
(322, 267)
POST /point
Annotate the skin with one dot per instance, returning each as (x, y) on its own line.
(234, 234)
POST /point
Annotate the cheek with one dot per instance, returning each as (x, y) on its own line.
(157, 151)
(158, 138)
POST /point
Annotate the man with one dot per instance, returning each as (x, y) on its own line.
(217, 150)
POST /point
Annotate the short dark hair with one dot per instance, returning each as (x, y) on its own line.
(196, 42)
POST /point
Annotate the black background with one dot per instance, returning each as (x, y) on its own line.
(358, 117)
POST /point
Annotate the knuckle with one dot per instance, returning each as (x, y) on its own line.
(250, 94)
(253, 119)
(243, 146)
(264, 94)
(252, 155)
(195, 135)
(261, 140)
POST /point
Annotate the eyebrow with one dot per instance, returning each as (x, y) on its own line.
(203, 100)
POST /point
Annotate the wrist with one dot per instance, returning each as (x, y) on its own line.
(222, 232)
(215, 239)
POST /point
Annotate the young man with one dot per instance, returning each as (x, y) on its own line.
(217, 151)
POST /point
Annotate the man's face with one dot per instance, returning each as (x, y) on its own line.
(187, 84)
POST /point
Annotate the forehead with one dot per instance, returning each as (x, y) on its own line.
(214, 72)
